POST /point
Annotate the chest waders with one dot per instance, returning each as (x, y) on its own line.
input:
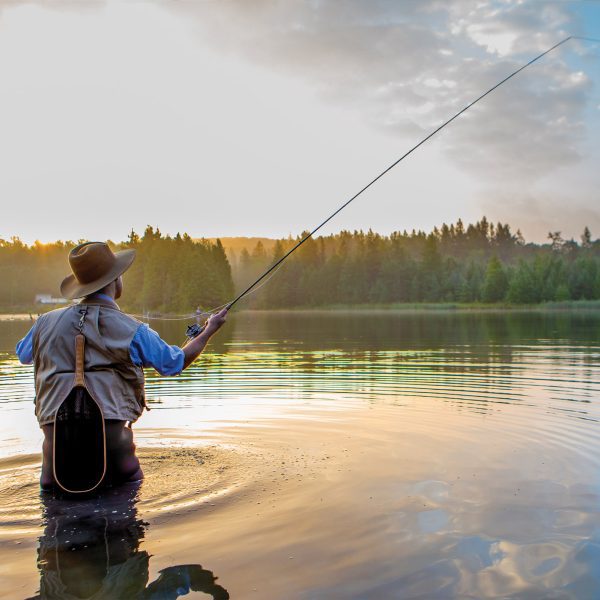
(79, 448)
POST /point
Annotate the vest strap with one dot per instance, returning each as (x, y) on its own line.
(79, 360)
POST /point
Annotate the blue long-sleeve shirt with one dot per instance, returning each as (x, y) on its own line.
(147, 349)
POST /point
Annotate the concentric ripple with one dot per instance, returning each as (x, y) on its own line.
(177, 478)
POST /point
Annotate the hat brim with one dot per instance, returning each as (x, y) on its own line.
(70, 288)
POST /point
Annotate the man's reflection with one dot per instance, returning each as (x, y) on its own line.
(90, 549)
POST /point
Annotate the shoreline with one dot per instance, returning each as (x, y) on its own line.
(20, 314)
(441, 307)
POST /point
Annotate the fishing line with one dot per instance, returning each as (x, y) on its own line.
(272, 270)
(399, 160)
(195, 329)
(203, 313)
(182, 317)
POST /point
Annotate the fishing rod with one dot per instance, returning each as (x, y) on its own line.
(198, 329)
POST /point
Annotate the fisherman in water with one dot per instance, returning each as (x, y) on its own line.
(109, 369)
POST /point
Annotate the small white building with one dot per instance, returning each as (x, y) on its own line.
(48, 299)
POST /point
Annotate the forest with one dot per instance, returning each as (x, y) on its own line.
(170, 274)
(475, 263)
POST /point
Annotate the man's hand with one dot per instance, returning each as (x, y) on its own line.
(196, 345)
(215, 322)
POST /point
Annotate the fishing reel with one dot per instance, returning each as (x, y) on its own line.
(194, 330)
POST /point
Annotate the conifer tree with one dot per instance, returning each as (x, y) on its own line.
(495, 285)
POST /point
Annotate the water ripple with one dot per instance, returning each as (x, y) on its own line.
(554, 385)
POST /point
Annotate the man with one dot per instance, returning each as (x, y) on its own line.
(117, 347)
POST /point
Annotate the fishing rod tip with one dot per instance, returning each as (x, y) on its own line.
(585, 39)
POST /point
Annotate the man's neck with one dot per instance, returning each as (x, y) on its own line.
(102, 296)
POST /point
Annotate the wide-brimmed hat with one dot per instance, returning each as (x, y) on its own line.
(94, 266)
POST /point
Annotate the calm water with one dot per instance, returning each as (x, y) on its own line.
(342, 455)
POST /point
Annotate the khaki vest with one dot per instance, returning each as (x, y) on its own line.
(115, 383)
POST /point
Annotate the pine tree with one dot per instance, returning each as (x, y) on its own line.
(586, 238)
(495, 285)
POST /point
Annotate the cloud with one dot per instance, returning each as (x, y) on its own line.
(511, 27)
(289, 82)
(405, 67)
(408, 66)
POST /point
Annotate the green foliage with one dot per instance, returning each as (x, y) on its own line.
(169, 274)
(176, 274)
(523, 288)
(479, 262)
(29, 270)
(562, 293)
(495, 285)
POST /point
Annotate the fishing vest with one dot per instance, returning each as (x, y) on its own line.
(113, 381)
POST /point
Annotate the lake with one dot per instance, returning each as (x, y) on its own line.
(333, 455)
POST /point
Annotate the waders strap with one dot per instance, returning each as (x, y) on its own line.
(79, 444)
(80, 350)
(79, 360)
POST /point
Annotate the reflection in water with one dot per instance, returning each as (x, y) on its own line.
(376, 330)
(348, 455)
(90, 548)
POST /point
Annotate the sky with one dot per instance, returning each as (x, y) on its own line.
(261, 117)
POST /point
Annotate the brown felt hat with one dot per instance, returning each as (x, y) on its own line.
(94, 266)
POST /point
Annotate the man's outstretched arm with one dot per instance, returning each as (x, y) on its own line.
(149, 350)
(196, 345)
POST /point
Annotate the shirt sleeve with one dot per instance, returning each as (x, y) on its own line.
(25, 347)
(148, 349)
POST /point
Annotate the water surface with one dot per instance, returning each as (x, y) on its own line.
(333, 455)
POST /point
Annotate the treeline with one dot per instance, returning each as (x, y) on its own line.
(481, 262)
(169, 274)
(26, 271)
(176, 274)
